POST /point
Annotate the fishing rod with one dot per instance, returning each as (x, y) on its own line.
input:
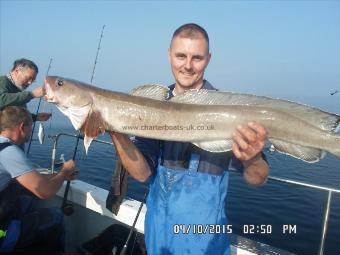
(333, 93)
(125, 247)
(29, 144)
(67, 207)
(95, 60)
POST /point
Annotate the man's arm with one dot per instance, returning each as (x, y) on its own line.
(132, 159)
(19, 98)
(249, 141)
(9, 95)
(46, 186)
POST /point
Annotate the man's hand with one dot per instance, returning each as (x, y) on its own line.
(38, 92)
(69, 170)
(43, 116)
(249, 140)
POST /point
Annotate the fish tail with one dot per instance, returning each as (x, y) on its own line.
(334, 125)
(336, 152)
(337, 129)
(336, 148)
(331, 123)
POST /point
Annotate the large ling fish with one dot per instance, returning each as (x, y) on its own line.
(204, 118)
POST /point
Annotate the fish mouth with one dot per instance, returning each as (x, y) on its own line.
(49, 95)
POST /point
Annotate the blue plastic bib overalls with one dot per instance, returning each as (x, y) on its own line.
(181, 207)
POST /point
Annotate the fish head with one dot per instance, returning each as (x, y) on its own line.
(65, 92)
(76, 100)
(71, 97)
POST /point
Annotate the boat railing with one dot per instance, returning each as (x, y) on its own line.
(329, 190)
(326, 209)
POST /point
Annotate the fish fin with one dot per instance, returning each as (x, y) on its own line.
(194, 96)
(153, 91)
(308, 154)
(94, 123)
(215, 146)
(316, 117)
(87, 142)
(77, 115)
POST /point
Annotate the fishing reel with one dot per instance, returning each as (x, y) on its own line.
(67, 209)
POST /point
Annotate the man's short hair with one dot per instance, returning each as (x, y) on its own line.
(192, 31)
(12, 116)
(25, 63)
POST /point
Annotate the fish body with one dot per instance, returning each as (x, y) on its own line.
(41, 133)
(207, 119)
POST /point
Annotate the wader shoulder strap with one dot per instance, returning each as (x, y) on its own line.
(4, 145)
(7, 196)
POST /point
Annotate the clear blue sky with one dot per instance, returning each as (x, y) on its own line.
(283, 49)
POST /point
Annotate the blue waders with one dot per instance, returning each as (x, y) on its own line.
(182, 207)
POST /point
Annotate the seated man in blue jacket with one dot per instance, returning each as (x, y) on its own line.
(188, 185)
(22, 224)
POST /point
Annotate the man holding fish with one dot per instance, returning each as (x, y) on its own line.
(188, 185)
(191, 135)
(14, 84)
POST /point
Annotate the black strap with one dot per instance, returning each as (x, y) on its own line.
(6, 202)
(4, 145)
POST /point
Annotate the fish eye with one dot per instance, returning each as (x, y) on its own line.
(60, 82)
